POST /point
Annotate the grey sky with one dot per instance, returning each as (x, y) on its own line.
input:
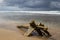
(29, 5)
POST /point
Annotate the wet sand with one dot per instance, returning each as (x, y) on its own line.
(8, 31)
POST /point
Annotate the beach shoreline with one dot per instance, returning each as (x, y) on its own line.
(9, 31)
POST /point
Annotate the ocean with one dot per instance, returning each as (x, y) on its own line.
(25, 17)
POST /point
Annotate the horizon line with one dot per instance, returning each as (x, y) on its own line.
(41, 12)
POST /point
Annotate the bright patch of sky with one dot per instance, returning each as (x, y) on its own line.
(1, 1)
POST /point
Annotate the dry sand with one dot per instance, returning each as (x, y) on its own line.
(12, 35)
(8, 31)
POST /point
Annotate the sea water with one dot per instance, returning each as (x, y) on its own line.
(25, 17)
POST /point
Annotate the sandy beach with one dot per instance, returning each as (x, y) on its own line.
(8, 31)
(13, 33)
(9, 23)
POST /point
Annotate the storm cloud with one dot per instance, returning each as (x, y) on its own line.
(33, 5)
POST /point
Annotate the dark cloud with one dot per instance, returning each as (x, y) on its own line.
(8, 8)
(36, 5)
(55, 4)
